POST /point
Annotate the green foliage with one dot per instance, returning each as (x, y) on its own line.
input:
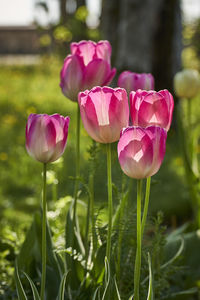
(35, 89)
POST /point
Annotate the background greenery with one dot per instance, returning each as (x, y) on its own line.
(35, 89)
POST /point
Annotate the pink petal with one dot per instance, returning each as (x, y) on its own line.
(133, 81)
(158, 136)
(135, 152)
(125, 81)
(84, 49)
(136, 99)
(170, 101)
(104, 112)
(110, 77)
(103, 50)
(119, 110)
(153, 111)
(96, 73)
(72, 76)
(88, 115)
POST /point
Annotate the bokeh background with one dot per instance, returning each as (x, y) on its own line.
(161, 37)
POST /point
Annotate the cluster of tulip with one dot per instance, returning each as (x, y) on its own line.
(105, 112)
(141, 134)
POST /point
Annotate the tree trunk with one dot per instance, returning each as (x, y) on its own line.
(145, 35)
(63, 11)
(80, 3)
(167, 45)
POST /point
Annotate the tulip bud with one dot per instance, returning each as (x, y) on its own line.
(46, 136)
(141, 150)
(131, 81)
(187, 83)
(87, 66)
(104, 112)
(151, 108)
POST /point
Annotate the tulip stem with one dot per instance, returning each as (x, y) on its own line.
(44, 211)
(139, 239)
(146, 204)
(88, 219)
(77, 165)
(109, 178)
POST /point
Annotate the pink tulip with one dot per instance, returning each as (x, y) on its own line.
(104, 112)
(46, 136)
(131, 81)
(87, 66)
(151, 108)
(141, 150)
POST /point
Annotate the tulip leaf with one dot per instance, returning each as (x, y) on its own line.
(75, 246)
(150, 291)
(120, 210)
(20, 290)
(107, 279)
(33, 287)
(191, 291)
(178, 253)
(96, 293)
(29, 258)
(116, 289)
(61, 294)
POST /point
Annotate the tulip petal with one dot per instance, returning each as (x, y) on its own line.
(88, 115)
(141, 150)
(153, 111)
(103, 50)
(110, 77)
(104, 113)
(84, 49)
(151, 108)
(135, 152)
(158, 136)
(133, 81)
(72, 76)
(95, 73)
(170, 102)
(46, 136)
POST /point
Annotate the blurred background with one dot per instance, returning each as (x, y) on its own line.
(160, 37)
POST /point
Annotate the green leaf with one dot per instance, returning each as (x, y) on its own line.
(96, 293)
(116, 289)
(73, 239)
(33, 287)
(99, 267)
(178, 253)
(186, 292)
(120, 209)
(150, 291)
(107, 278)
(61, 294)
(176, 233)
(20, 290)
(30, 261)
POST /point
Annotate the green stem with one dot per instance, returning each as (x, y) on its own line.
(146, 204)
(138, 252)
(88, 219)
(44, 208)
(91, 185)
(109, 177)
(77, 166)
